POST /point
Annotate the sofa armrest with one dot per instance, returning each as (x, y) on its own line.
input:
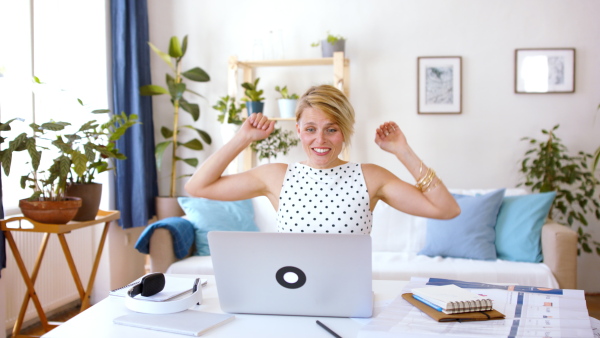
(559, 247)
(162, 254)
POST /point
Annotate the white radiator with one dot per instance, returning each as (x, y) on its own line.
(54, 285)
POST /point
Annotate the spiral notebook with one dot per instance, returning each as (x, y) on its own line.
(451, 299)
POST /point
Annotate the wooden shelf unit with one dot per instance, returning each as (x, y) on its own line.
(341, 80)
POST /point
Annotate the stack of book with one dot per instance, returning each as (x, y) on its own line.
(450, 303)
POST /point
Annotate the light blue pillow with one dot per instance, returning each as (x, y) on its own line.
(519, 227)
(208, 215)
(469, 235)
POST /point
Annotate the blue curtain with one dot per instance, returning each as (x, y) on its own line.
(136, 179)
(2, 240)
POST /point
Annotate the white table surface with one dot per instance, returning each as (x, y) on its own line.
(97, 321)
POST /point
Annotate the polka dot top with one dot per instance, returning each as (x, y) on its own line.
(332, 200)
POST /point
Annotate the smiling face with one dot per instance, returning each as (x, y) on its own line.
(322, 139)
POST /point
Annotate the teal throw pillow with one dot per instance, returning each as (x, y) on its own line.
(469, 235)
(519, 227)
(208, 215)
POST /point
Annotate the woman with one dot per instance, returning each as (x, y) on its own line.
(325, 194)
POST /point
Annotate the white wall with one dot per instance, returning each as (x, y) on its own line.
(479, 148)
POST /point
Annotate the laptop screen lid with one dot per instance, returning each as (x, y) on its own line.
(293, 274)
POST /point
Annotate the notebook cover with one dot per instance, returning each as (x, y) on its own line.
(459, 317)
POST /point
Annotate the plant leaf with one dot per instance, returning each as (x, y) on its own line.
(191, 161)
(148, 90)
(191, 108)
(166, 132)
(175, 48)
(164, 56)
(194, 144)
(159, 151)
(196, 74)
(204, 135)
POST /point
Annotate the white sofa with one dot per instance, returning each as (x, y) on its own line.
(396, 240)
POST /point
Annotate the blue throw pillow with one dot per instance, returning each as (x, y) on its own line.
(469, 235)
(519, 227)
(208, 215)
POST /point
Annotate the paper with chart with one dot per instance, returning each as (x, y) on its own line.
(530, 312)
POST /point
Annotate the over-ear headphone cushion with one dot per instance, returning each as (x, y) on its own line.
(152, 284)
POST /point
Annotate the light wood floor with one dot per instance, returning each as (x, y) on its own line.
(592, 300)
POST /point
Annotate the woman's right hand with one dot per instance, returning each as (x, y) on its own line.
(257, 127)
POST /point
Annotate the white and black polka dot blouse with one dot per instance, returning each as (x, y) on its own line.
(334, 201)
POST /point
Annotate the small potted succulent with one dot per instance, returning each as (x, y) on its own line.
(287, 102)
(230, 116)
(254, 99)
(331, 44)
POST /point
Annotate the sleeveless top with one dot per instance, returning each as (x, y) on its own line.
(332, 200)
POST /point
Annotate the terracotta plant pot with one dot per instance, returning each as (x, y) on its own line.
(90, 194)
(51, 212)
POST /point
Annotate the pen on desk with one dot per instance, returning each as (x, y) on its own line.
(328, 330)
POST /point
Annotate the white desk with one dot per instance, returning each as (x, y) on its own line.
(97, 321)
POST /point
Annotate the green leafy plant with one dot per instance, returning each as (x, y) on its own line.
(47, 184)
(176, 89)
(547, 166)
(284, 93)
(279, 141)
(92, 146)
(331, 39)
(229, 111)
(252, 92)
(596, 157)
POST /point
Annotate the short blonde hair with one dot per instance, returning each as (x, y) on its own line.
(333, 103)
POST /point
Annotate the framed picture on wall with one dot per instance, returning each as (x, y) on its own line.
(439, 84)
(541, 71)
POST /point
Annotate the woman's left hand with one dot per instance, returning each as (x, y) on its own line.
(390, 138)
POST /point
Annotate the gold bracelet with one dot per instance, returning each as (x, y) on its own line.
(425, 182)
(434, 186)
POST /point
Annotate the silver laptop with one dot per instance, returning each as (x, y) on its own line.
(293, 274)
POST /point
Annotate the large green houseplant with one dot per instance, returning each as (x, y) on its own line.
(175, 89)
(548, 166)
(48, 183)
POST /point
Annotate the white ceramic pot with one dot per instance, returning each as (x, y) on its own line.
(287, 108)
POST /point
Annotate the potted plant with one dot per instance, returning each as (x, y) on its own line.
(548, 166)
(287, 102)
(332, 43)
(48, 203)
(176, 88)
(279, 141)
(230, 116)
(254, 99)
(91, 148)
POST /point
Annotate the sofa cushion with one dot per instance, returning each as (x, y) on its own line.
(209, 215)
(469, 235)
(396, 231)
(519, 227)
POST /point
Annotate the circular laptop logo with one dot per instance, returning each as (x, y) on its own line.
(290, 277)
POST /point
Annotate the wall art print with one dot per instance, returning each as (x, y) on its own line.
(439, 84)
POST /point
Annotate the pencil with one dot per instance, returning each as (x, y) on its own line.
(328, 330)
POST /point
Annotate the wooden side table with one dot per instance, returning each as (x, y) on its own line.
(60, 230)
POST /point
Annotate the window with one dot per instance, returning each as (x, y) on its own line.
(64, 44)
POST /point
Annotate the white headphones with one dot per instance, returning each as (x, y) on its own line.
(153, 284)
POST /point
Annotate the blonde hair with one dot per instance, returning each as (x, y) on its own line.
(333, 103)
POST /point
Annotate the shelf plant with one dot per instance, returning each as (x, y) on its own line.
(229, 112)
(279, 142)
(176, 88)
(329, 45)
(287, 102)
(254, 97)
(548, 166)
